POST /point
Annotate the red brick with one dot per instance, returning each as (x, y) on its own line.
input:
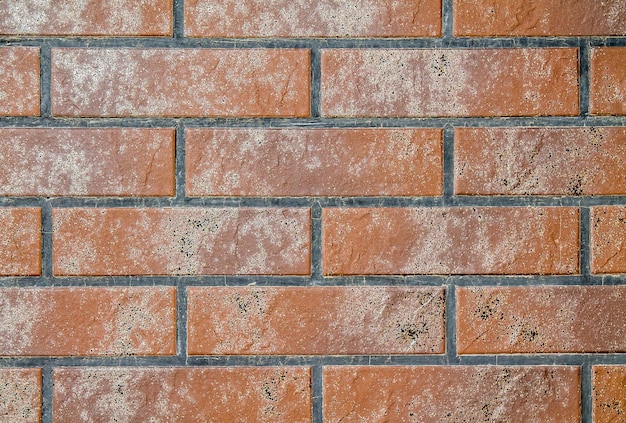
(543, 319)
(304, 162)
(607, 89)
(87, 321)
(543, 161)
(316, 320)
(20, 241)
(447, 394)
(483, 240)
(86, 17)
(19, 81)
(608, 239)
(539, 17)
(190, 241)
(20, 395)
(180, 82)
(80, 162)
(323, 18)
(474, 82)
(609, 394)
(263, 394)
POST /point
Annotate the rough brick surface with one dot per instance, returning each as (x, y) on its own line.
(86, 17)
(544, 319)
(325, 18)
(539, 17)
(608, 239)
(19, 81)
(267, 394)
(544, 161)
(447, 82)
(190, 241)
(20, 241)
(81, 162)
(325, 320)
(87, 321)
(180, 82)
(609, 394)
(460, 240)
(304, 162)
(20, 395)
(452, 394)
(607, 90)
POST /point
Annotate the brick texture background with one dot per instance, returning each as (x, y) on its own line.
(288, 211)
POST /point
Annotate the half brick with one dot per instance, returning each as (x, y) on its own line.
(87, 321)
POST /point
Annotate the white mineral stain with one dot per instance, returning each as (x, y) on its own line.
(19, 394)
(20, 317)
(78, 17)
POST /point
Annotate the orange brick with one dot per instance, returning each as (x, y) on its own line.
(180, 82)
(446, 394)
(539, 17)
(264, 394)
(483, 240)
(607, 89)
(87, 321)
(540, 161)
(80, 162)
(19, 81)
(20, 395)
(469, 82)
(190, 241)
(316, 320)
(86, 17)
(609, 394)
(304, 162)
(20, 241)
(608, 237)
(323, 18)
(544, 319)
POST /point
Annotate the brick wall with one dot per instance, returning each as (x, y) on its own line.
(288, 211)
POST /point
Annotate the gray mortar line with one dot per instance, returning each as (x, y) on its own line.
(46, 393)
(178, 19)
(45, 76)
(583, 77)
(586, 391)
